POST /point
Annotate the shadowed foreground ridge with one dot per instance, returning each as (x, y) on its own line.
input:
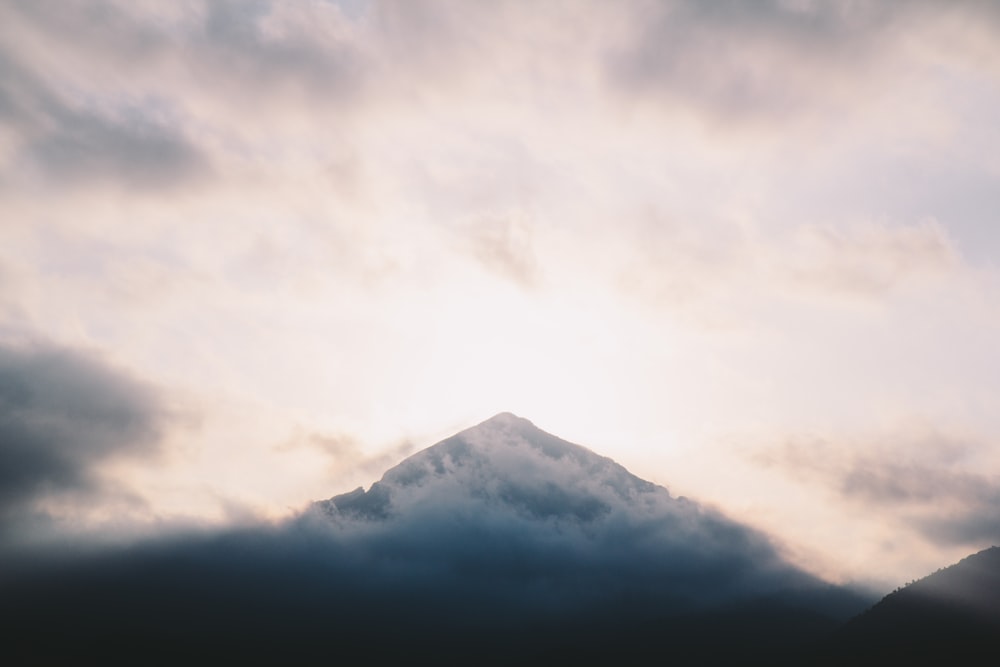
(500, 544)
(953, 614)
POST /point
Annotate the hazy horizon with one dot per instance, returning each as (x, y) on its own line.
(254, 254)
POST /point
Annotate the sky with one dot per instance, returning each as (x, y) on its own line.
(252, 254)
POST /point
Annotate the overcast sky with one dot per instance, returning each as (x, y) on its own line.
(254, 253)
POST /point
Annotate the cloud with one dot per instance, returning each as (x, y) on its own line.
(502, 244)
(776, 63)
(64, 413)
(71, 144)
(303, 49)
(344, 454)
(352, 159)
(131, 152)
(924, 482)
(111, 92)
(719, 273)
(238, 47)
(517, 562)
(449, 589)
(553, 506)
(738, 63)
(868, 259)
(975, 524)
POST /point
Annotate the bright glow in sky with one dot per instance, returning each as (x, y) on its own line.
(748, 250)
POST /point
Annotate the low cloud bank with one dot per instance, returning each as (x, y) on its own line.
(482, 592)
(610, 566)
(64, 413)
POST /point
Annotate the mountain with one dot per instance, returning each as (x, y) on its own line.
(548, 502)
(949, 617)
(501, 544)
(506, 461)
(534, 527)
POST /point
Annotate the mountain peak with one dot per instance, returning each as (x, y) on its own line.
(506, 428)
(505, 417)
(505, 494)
(503, 421)
(504, 461)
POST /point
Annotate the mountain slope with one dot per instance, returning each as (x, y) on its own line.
(953, 614)
(500, 545)
(520, 516)
(507, 481)
(508, 460)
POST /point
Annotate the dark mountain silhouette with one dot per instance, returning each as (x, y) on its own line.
(501, 544)
(949, 617)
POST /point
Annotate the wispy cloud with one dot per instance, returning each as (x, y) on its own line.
(868, 259)
(927, 482)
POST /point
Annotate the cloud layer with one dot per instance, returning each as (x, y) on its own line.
(63, 414)
(500, 542)
(927, 481)
(652, 226)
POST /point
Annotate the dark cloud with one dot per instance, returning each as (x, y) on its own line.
(130, 151)
(975, 524)
(292, 58)
(921, 482)
(260, 50)
(63, 413)
(71, 144)
(424, 566)
(98, 92)
(489, 591)
(739, 59)
(771, 60)
(526, 517)
(885, 482)
(948, 507)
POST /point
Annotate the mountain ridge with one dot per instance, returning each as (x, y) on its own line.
(951, 614)
(507, 479)
(496, 456)
(527, 548)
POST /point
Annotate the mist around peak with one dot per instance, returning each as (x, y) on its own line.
(502, 542)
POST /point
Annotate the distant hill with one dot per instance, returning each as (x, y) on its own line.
(949, 617)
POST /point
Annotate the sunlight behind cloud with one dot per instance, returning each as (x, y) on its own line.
(657, 230)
